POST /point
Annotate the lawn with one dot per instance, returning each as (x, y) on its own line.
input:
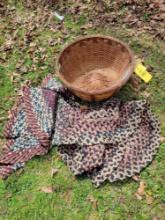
(30, 41)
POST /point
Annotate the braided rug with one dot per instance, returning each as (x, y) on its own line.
(110, 140)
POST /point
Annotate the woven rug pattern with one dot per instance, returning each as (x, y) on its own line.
(110, 140)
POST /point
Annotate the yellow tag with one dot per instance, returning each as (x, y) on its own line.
(141, 71)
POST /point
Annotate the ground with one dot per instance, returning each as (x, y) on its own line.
(30, 41)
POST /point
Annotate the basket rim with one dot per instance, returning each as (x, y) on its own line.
(115, 85)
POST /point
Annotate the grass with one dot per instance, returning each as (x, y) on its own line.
(75, 198)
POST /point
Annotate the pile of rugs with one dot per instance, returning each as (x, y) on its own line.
(109, 140)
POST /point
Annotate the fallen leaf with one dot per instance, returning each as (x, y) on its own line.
(93, 216)
(149, 199)
(23, 69)
(138, 196)
(2, 142)
(8, 195)
(41, 49)
(59, 158)
(53, 171)
(154, 218)
(63, 29)
(14, 77)
(2, 119)
(26, 82)
(19, 64)
(141, 189)
(99, 6)
(8, 45)
(32, 44)
(135, 81)
(136, 178)
(154, 164)
(146, 94)
(47, 189)
(150, 68)
(86, 26)
(93, 201)
(67, 196)
(162, 139)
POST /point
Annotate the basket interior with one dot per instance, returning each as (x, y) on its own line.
(94, 63)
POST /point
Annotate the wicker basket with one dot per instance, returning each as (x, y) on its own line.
(95, 67)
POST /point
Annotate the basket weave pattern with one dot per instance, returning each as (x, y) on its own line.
(93, 68)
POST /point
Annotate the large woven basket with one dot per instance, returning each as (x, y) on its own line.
(95, 67)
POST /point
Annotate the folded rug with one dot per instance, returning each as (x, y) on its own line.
(109, 140)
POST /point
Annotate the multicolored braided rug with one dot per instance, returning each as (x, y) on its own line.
(109, 140)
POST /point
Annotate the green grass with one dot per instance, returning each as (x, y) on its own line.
(20, 195)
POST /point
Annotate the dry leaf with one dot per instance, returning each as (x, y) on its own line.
(53, 171)
(100, 6)
(86, 26)
(41, 49)
(149, 199)
(93, 201)
(2, 118)
(19, 64)
(20, 93)
(67, 196)
(23, 69)
(154, 164)
(146, 94)
(162, 139)
(141, 189)
(138, 196)
(47, 189)
(135, 81)
(59, 158)
(14, 77)
(2, 142)
(26, 82)
(8, 195)
(93, 216)
(150, 68)
(32, 44)
(136, 178)
(8, 45)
